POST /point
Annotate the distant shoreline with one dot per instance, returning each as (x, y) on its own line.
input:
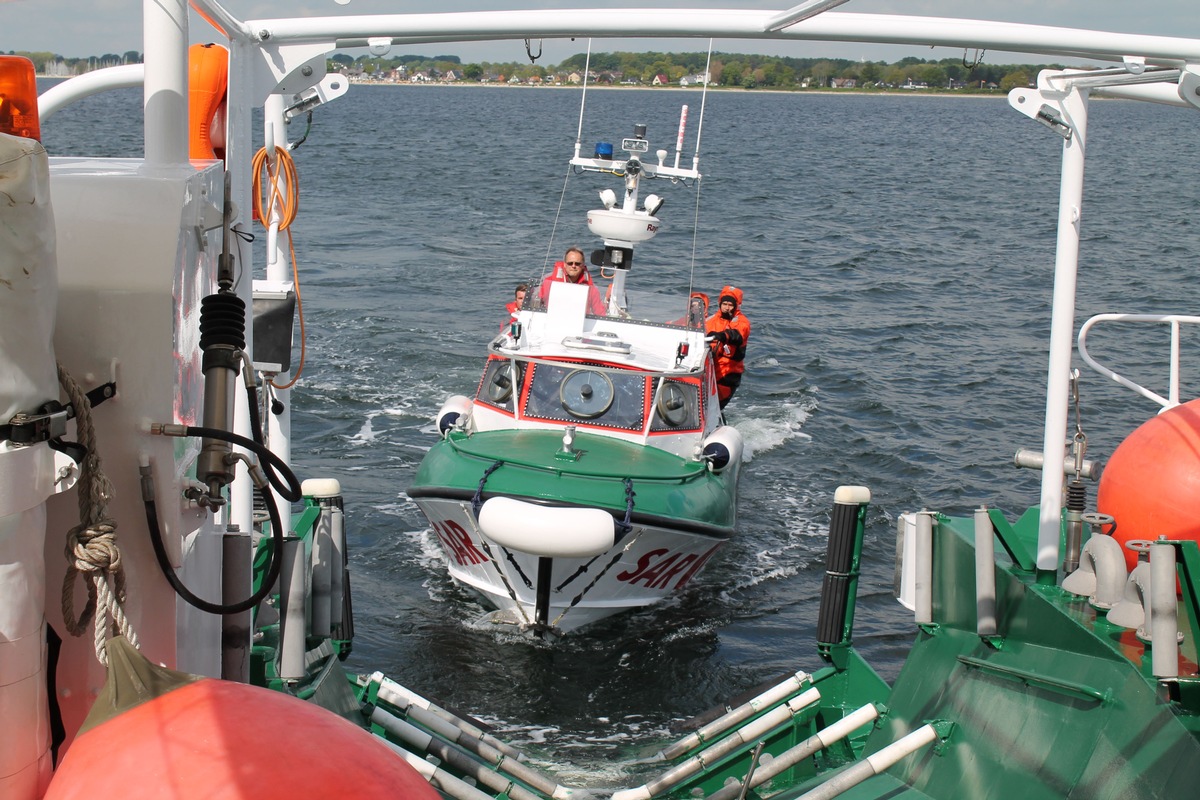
(823, 92)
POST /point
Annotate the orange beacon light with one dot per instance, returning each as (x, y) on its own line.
(18, 98)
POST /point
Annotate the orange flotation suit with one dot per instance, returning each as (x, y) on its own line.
(595, 304)
(208, 85)
(730, 336)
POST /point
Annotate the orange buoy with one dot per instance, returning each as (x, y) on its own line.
(220, 740)
(1151, 485)
(208, 84)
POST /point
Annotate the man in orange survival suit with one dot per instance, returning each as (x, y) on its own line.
(730, 331)
(572, 270)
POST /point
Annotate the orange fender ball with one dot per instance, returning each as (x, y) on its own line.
(1151, 485)
(220, 740)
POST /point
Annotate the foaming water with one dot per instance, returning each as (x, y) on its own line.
(896, 254)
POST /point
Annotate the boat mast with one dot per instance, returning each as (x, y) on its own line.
(1071, 123)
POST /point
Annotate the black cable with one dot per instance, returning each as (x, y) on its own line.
(269, 461)
(255, 413)
(160, 553)
(272, 465)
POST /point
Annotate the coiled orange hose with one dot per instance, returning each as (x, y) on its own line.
(283, 197)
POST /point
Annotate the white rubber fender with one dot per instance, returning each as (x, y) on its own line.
(457, 407)
(723, 447)
(547, 530)
(321, 488)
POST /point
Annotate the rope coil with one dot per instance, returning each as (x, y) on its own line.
(91, 548)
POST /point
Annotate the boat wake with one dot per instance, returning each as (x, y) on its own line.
(766, 427)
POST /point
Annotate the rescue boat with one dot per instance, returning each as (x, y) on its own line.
(592, 471)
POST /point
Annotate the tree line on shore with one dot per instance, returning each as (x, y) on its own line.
(725, 69)
(742, 70)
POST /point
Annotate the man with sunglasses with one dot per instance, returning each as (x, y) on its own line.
(572, 270)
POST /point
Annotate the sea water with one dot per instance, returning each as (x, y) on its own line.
(896, 255)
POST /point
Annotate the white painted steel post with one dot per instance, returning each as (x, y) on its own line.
(165, 107)
(1164, 619)
(237, 563)
(337, 565)
(409, 701)
(985, 574)
(776, 694)
(279, 427)
(293, 619)
(873, 764)
(1062, 324)
(322, 574)
(923, 588)
(1173, 379)
(789, 758)
(237, 164)
(743, 735)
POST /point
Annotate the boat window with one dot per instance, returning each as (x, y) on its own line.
(586, 394)
(678, 407)
(575, 393)
(496, 388)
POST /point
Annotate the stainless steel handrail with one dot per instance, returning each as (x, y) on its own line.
(1174, 320)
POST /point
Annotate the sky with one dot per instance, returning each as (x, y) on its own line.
(79, 28)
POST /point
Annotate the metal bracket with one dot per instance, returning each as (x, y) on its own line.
(329, 88)
(1189, 84)
(288, 69)
(49, 422)
(944, 729)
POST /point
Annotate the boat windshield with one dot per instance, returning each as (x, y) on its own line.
(571, 392)
(667, 309)
(661, 308)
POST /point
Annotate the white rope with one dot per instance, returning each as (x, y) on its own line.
(92, 544)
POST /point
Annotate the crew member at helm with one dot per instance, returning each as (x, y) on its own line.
(572, 270)
(729, 331)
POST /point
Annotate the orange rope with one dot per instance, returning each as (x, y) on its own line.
(284, 199)
(286, 204)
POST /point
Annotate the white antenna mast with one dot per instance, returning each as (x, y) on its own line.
(703, 98)
(587, 64)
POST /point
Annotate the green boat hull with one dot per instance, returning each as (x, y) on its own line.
(669, 491)
(658, 520)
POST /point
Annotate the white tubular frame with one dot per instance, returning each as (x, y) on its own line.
(1174, 320)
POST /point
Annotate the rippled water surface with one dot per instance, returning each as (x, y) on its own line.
(896, 254)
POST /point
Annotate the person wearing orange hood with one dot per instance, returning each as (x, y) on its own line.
(729, 332)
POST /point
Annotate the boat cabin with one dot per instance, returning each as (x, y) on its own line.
(642, 374)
